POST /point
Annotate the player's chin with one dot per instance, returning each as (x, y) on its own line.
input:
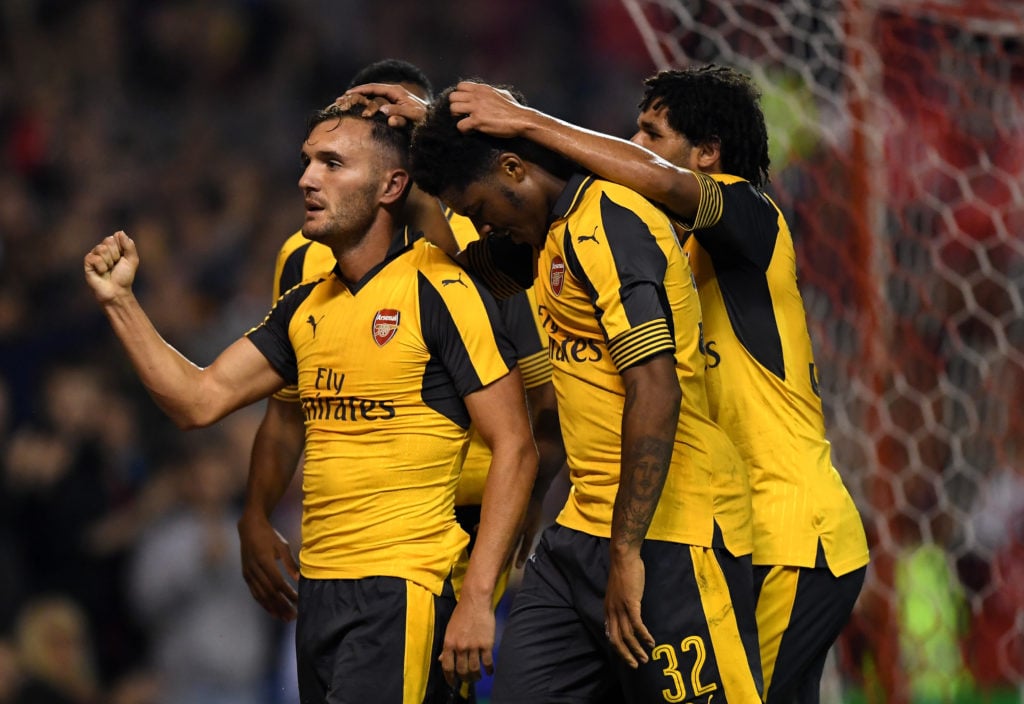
(312, 230)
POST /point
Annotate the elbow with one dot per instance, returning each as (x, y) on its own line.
(531, 459)
(191, 418)
(187, 423)
(673, 406)
(528, 458)
(675, 394)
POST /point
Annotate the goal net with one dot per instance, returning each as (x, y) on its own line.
(897, 147)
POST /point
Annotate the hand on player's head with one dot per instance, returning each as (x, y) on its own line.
(351, 100)
(488, 109)
(397, 102)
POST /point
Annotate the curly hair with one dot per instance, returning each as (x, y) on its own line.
(395, 139)
(444, 158)
(715, 104)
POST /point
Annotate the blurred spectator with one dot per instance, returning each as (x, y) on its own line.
(55, 654)
(65, 471)
(211, 642)
(10, 671)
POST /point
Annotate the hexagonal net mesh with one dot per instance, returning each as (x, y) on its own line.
(897, 146)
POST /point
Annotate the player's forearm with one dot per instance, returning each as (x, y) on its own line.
(425, 214)
(170, 378)
(510, 480)
(276, 450)
(649, 423)
(617, 160)
(548, 435)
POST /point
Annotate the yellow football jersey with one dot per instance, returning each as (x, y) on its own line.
(761, 378)
(518, 313)
(381, 369)
(614, 289)
(297, 260)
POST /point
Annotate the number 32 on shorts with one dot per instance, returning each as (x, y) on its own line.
(677, 692)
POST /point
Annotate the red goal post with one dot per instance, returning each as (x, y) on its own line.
(897, 144)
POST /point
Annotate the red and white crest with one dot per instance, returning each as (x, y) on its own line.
(385, 325)
(556, 276)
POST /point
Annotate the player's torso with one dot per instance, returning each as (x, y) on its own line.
(581, 272)
(762, 382)
(386, 430)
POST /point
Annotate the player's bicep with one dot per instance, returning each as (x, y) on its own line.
(240, 375)
(499, 414)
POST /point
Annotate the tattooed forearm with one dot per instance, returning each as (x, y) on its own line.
(649, 420)
(644, 468)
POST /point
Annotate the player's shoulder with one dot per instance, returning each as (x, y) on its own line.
(728, 179)
(441, 271)
(602, 191)
(427, 258)
(736, 190)
(311, 256)
(292, 243)
(462, 229)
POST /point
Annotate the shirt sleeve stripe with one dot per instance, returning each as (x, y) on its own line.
(641, 342)
(288, 393)
(536, 369)
(709, 210)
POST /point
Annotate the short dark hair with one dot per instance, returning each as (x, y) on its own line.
(715, 104)
(393, 138)
(393, 71)
(443, 157)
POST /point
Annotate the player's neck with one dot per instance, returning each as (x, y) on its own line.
(355, 260)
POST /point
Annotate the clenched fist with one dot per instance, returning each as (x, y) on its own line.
(110, 267)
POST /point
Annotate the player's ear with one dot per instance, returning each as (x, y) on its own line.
(512, 166)
(394, 186)
(709, 153)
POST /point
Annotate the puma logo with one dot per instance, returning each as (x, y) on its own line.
(313, 322)
(591, 236)
(448, 282)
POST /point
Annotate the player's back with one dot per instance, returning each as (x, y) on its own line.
(762, 380)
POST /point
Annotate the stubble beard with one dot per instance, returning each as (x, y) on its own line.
(346, 226)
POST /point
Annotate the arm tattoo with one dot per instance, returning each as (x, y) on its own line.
(644, 468)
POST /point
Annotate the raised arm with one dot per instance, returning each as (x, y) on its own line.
(495, 112)
(498, 411)
(649, 422)
(190, 395)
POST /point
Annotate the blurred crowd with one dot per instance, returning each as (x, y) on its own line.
(181, 123)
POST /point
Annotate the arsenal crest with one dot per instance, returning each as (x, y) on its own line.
(385, 325)
(557, 274)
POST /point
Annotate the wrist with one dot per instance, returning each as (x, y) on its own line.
(623, 550)
(254, 512)
(476, 593)
(118, 300)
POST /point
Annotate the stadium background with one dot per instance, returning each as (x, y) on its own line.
(898, 154)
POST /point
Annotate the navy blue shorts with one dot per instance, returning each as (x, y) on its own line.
(698, 604)
(356, 637)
